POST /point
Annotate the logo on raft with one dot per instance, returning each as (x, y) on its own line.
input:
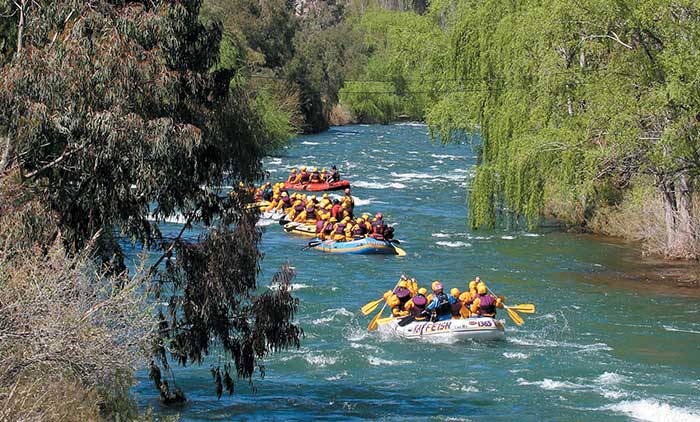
(432, 327)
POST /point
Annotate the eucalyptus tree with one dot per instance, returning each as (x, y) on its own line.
(112, 116)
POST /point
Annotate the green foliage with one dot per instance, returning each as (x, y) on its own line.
(112, 116)
(321, 62)
(403, 73)
(574, 96)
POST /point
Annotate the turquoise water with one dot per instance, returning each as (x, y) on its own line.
(602, 346)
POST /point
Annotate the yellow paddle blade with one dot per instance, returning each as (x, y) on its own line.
(399, 251)
(373, 324)
(371, 306)
(517, 319)
(528, 308)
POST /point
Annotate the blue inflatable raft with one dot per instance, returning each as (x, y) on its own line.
(365, 246)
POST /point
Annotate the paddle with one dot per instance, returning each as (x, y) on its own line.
(517, 319)
(312, 244)
(369, 307)
(373, 324)
(528, 308)
(399, 251)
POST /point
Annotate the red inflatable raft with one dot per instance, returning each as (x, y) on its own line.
(317, 187)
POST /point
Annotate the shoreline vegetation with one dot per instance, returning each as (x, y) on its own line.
(115, 114)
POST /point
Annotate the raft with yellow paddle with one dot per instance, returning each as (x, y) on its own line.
(477, 328)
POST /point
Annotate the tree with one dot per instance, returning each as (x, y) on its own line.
(575, 102)
(113, 115)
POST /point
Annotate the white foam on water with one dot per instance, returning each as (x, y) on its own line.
(293, 286)
(654, 411)
(678, 330)
(515, 355)
(451, 157)
(482, 237)
(335, 312)
(357, 334)
(309, 143)
(540, 342)
(375, 361)
(440, 235)
(412, 176)
(548, 384)
(360, 202)
(453, 244)
(413, 152)
(265, 222)
(531, 235)
(377, 185)
(338, 376)
(507, 237)
(320, 360)
(610, 379)
(364, 346)
(175, 219)
(415, 124)
(464, 388)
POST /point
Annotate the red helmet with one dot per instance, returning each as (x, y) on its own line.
(378, 215)
(347, 190)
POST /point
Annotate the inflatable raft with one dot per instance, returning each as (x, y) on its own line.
(479, 328)
(364, 246)
(318, 187)
(300, 228)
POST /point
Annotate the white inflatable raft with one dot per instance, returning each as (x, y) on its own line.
(481, 328)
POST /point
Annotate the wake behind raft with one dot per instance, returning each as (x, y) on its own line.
(364, 246)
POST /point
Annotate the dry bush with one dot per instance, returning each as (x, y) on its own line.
(70, 336)
(640, 217)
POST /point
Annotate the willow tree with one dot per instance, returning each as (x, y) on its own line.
(111, 115)
(575, 100)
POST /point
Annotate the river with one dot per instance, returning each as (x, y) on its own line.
(602, 346)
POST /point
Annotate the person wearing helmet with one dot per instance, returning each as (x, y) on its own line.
(456, 306)
(296, 210)
(302, 177)
(335, 211)
(485, 304)
(315, 176)
(468, 296)
(416, 306)
(378, 227)
(292, 176)
(344, 210)
(339, 230)
(367, 223)
(324, 175)
(348, 229)
(359, 230)
(349, 199)
(335, 174)
(320, 224)
(309, 212)
(440, 307)
(328, 229)
(285, 202)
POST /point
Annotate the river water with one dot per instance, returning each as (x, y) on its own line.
(602, 345)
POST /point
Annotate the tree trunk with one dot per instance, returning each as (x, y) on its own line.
(20, 26)
(685, 236)
(667, 189)
(5, 160)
